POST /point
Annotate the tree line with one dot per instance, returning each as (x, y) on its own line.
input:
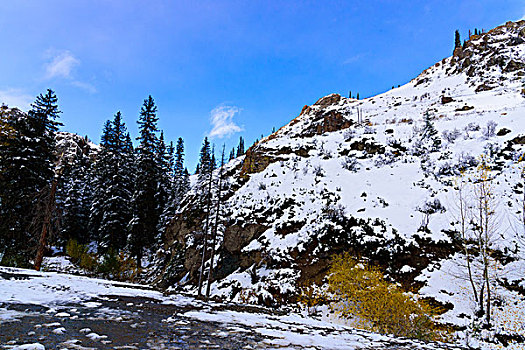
(121, 201)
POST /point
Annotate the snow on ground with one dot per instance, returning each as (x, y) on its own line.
(57, 291)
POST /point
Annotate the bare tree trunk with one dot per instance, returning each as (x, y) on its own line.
(215, 227)
(205, 243)
(49, 209)
(463, 217)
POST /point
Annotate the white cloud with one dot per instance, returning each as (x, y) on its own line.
(16, 98)
(61, 65)
(222, 123)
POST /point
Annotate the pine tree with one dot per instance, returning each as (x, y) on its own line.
(43, 114)
(457, 40)
(75, 201)
(143, 225)
(216, 224)
(164, 159)
(205, 159)
(180, 173)
(232, 154)
(171, 203)
(240, 147)
(113, 179)
(27, 169)
(205, 181)
(429, 133)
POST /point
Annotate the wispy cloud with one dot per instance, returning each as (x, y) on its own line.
(353, 58)
(85, 86)
(221, 119)
(61, 65)
(16, 98)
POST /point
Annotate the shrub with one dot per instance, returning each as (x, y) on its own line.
(490, 129)
(451, 135)
(118, 266)
(318, 171)
(79, 254)
(114, 265)
(311, 296)
(350, 163)
(362, 294)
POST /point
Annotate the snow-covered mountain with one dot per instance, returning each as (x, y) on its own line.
(363, 176)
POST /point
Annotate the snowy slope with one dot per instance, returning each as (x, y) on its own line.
(356, 175)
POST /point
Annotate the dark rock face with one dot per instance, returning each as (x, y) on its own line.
(333, 121)
(446, 99)
(329, 100)
(464, 109)
(503, 132)
(255, 161)
(484, 87)
(237, 237)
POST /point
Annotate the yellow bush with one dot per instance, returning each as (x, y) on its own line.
(311, 296)
(375, 304)
(115, 265)
(79, 255)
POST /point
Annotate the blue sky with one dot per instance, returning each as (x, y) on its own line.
(221, 68)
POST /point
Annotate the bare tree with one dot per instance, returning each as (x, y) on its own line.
(46, 212)
(462, 217)
(485, 228)
(476, 214)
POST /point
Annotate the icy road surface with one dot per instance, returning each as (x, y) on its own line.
(51, 310)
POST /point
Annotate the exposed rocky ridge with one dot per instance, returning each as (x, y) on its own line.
(356, 175)
(71, 146)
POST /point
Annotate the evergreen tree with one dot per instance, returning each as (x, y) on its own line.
(457, 40)
(113, 179)
(143, 225)
(240, 147)
(27, 168)
(165, 176)
(216, 224)
(429, 133)
(179, 188)
(232, 154)
(75, 201)
(205, 161)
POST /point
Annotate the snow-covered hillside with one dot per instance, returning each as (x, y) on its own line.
(362, 176)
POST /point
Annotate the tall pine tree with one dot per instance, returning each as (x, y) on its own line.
(117, 193)
(143, 225)
(27, 169)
